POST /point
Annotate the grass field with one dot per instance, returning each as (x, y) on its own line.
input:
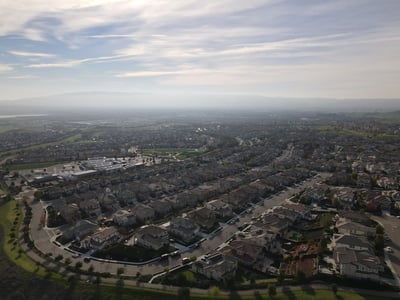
(164, 151)
(8, 214)
(5, 129)
(67, 140)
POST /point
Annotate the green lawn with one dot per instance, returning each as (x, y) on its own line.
(3, 186)
(8, 213)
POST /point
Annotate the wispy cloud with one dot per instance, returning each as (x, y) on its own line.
(64, 64)
(5, 68)
(75, 62)
(21, 77)
(31, 54)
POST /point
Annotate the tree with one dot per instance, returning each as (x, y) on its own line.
(252, 281)
(301, 277)
(334, 289)
(184, 293)
(215, 292)
(78, 265)
(68, 261)
(271, 290)
(91, 269)
(120, 271)
(58, 257)
(98, 279)
(379, 243)
(380, 229)
(72, 280)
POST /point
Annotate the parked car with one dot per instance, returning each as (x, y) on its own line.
(389, 249)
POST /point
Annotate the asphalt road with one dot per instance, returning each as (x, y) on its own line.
(391, 225)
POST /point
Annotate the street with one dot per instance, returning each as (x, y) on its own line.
(391, 225)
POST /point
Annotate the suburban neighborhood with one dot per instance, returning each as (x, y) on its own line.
(240, 206)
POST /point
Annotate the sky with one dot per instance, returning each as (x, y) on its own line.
(272, 48)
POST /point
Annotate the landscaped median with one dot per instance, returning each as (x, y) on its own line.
(11, 218)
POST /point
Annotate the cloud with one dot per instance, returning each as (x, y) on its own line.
(31, 54)
(147, 74)
(161, 73)
(21, 77)
(75, 62)
(5, 68)
(64, 64)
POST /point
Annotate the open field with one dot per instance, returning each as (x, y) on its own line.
(19, 167)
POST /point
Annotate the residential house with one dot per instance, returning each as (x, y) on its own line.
(283, 213)
(161, 207)
(357, 264)
(346, 227)
(275, 224)
(363, 180)
(109, 201)
(355, 216)
(358, 243)
(81, 229)
(187, 198)
(345, 197)
(152, 237)
(383, 202)
(303, 210)
(244, 252)
(143, 213)
(176, 203)
(90, 207)
(204, 217)
(316, 194)
(220, 208)
(216, 266)
(100, 238)
(388, 183)
(124, 217)
(183, 229)
(70, 213)
(260, 234)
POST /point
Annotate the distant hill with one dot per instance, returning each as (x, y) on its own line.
(109, 100)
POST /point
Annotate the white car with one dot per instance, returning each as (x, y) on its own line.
(389, 249)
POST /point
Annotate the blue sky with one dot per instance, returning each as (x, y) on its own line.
(330, 49)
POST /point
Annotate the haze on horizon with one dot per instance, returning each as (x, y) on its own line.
(191, 49)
